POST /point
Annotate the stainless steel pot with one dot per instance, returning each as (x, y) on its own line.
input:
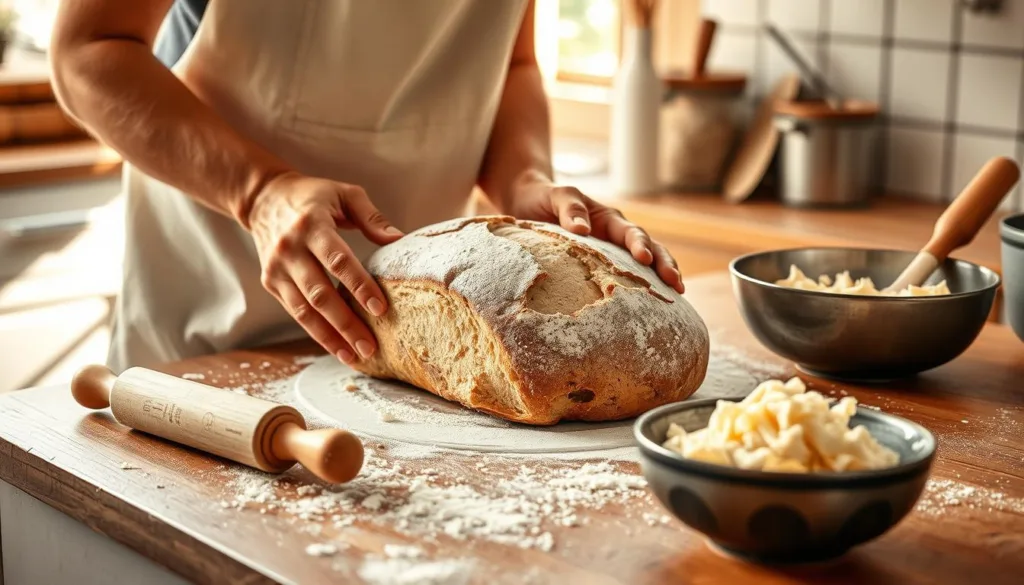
(827, 156)
(1012, 232)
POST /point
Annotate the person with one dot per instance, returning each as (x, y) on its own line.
(290, 140)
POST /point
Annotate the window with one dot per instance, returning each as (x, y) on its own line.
(578, 40)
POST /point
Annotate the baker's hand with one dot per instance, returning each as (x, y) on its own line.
(541, 200)
(294, 221)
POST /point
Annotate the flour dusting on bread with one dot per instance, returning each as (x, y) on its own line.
(532, 323)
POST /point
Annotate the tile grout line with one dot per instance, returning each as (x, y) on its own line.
(952, 95)
(873, 41)
(760, 67)
(824, 39)
(885, 92)
(933, 126)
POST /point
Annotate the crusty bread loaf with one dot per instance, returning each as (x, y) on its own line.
(532, 323)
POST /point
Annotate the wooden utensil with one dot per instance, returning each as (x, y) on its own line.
(705, 36)
(754, 155)
(256, 432)
(960, 222)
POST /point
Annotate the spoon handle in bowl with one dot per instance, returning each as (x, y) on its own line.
(962, 220)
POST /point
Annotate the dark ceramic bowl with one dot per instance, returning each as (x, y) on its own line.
(780, 518)
(1011, 231)
(861, 338)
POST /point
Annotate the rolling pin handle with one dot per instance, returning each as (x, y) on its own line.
(92, 385)
(333, 455)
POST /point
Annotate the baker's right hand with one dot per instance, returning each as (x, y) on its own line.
(294, 221)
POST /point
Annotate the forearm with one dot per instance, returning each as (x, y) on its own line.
(118, 91)
(520, 145)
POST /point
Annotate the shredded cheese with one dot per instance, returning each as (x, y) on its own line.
(782, 427)
(845, 284)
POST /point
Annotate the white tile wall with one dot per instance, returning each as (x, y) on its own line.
(734, 12)
(795, 15)
(972, 152)
(732, 52)
(919, 80)
(915, 162)
(988, 92)
(861, 18)
(1002, 30)
(855, 70)
(924, 20)
(950, 83)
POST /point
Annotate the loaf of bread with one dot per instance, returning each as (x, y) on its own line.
(531, 323)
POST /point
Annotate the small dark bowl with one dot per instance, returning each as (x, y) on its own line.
(782, 518)
(1011, 231)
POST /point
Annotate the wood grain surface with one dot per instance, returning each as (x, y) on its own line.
(71, 458)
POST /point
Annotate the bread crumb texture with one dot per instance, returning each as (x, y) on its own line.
(532, 323)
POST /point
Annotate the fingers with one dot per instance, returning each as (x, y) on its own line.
(337, 257)
(609, 224)
(312, 281)
(313, 322)
(666, 267)
(625, 233)
(359, 210)
(571, 209)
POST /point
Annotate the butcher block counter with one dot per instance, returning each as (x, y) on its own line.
(83, 499)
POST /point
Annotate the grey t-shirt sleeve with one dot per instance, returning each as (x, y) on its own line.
(179, 27)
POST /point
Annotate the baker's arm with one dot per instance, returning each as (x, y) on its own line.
(106, 78)
(517, 175)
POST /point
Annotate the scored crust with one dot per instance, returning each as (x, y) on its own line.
(531, 323)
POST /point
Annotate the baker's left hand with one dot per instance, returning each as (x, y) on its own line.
(541, 200)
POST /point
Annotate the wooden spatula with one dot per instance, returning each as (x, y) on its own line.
(960, 222)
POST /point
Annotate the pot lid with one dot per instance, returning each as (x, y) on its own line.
(725, 82)
(821, 110)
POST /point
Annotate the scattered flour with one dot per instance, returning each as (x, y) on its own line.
(403, 571)
(942, 494)
(402, 551)
(517, 509)
(322, 550)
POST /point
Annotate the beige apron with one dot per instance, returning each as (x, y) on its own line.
(397, 96)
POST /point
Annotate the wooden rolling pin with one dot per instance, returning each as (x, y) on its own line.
(259, 433)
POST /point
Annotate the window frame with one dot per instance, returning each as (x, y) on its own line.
(562, 75)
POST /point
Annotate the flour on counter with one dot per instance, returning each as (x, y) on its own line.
(321, 550)
(942, 494)
(403, 571)
(517, 509)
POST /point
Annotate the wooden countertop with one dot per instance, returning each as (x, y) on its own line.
(966, 529)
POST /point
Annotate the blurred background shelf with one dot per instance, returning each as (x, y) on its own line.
(60, 234)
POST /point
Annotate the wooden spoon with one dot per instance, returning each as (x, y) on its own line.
(960, 222)
(705, 36)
